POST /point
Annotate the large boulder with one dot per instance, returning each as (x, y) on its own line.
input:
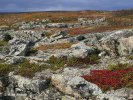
(110, 42)
(22, 87)
(125, 46)
(18, 47)
(70, 83)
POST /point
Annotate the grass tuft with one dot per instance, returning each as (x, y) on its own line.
(118, 66)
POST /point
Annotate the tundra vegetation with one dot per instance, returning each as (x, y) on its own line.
(72, 55)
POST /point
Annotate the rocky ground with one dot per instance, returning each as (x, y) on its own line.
(51, 64)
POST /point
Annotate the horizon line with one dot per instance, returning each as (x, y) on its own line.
(15, 12)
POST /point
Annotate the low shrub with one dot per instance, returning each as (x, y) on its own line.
(28, 69)
(57, 63)
(108, 79)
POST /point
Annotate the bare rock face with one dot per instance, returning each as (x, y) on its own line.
(18, 47)
(125, 46)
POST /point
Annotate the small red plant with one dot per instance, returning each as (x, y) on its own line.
(107, 79)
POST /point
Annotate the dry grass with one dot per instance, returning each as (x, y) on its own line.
(55, 46)
(84, 30)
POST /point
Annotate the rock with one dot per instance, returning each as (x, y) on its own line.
(70, 83)
(110, 42)
(22, 87)
(103, 53)
(125, 46)
(47, 74)
(119, 94)
(80, 38)
(36, 85)
(15, 60)
(88, 22)
(66, 97)
(61, 84)
(79, 82)
(1, 88)
(126, 93)
(29, 35)
(57, 25)
(5, 37)
(109, 97)
(59, 35)
(18, 47)
(81, 50)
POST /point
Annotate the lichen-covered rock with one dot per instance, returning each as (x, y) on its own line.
(109, 97)
(15, 60)
(125, 46)
(18, 47)
(70, 83)
(110, 42)
(81, 50)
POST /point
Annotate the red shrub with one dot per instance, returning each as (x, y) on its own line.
(107, 79)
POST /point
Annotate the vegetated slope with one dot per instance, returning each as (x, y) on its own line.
(60, 16)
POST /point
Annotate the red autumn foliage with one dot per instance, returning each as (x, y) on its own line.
(107, 79)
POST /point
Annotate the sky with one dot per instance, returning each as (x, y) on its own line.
(68, 5)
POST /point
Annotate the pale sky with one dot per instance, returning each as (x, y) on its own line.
(52, 5)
